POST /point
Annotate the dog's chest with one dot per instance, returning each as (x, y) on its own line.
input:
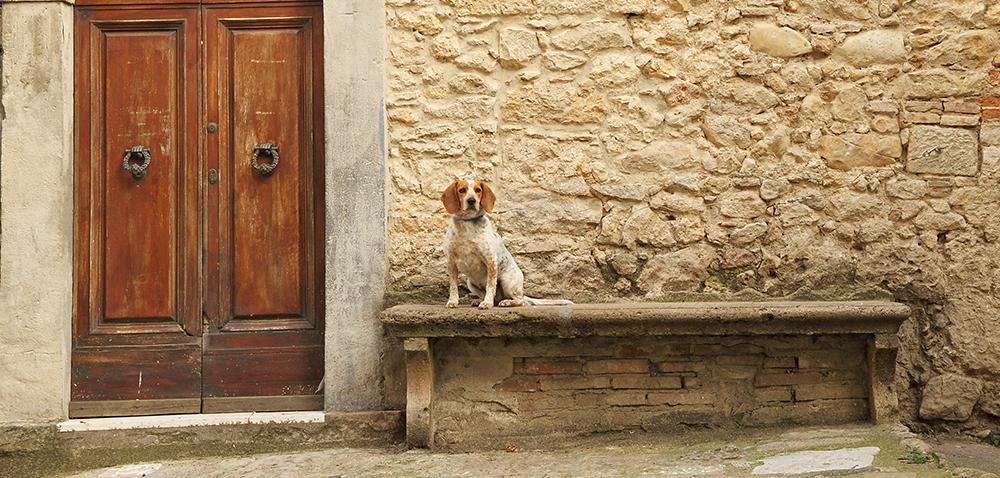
(468, 255)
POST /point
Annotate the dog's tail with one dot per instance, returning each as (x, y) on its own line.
(534, 301)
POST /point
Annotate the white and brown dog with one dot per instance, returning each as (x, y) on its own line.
(475, 249)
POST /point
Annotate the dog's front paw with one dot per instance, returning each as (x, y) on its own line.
(452, 304)
(486, 304)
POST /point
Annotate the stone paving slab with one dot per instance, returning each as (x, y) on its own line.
(838, 462)
(706, 453)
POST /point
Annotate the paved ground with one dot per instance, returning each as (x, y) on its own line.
(864, 451)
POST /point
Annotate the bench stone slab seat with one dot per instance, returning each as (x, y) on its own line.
(476, 378)
(648, 319)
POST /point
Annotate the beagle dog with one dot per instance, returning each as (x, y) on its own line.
(474, 248)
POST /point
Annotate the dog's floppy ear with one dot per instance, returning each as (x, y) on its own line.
(488, 198)
(452, 203)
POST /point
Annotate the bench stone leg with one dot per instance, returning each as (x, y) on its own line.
(882, 399)
(419, 392)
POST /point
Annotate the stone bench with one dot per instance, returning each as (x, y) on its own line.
(478, 378)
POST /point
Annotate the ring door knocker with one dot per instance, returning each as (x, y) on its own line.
(268, 149)
(136, 160)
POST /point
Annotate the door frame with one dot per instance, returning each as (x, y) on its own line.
(36, 147)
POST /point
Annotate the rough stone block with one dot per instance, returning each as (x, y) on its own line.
(594, 35)
(884, 107)
(872, 47)
(959, 120)
(921, 118)
(940, 150)
(965, 107)
(989, 402)
(989, 134)
(924, 106)
(950, 397)
(852, 150)
(517, 47)
(778, 41)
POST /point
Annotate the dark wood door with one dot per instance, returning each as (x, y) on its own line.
(197, 277)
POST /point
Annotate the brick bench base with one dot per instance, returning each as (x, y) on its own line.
(488, 380)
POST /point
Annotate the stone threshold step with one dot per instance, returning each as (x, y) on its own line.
(188, 420)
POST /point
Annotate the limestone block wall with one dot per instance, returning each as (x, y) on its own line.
(645, 149)
(491, 389)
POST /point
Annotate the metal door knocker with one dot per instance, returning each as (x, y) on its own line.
(138, 168)
(269, 149)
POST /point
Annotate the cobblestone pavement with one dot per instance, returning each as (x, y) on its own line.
(696, 454)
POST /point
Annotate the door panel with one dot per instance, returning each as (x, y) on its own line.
(136, 232)
(264, 87)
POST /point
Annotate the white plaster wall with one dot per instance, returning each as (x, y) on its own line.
(36, 209)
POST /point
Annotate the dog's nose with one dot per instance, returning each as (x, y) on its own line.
(471, 201)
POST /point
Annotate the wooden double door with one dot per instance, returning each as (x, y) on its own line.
(198, 208)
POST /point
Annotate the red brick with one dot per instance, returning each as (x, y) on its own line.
(645, 382)
(625, 399)
(967, 107)
(739, 359)
(774, 394)
(821, 391)
(735, 372)
(780, 362)
(632, 351)
(617, 366)
(829, 359)
(991, 114)
(692, 382)
(549, 366)
(517, 383)
(571, 382)
(990, 102)
(735, 349)
(672, 367)
(795, 378)
(680, 397)
(589, 399)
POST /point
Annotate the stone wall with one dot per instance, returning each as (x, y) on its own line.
(642, 149)
(494, 389)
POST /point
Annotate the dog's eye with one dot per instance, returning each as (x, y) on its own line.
(462, 190)
(479, 190)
